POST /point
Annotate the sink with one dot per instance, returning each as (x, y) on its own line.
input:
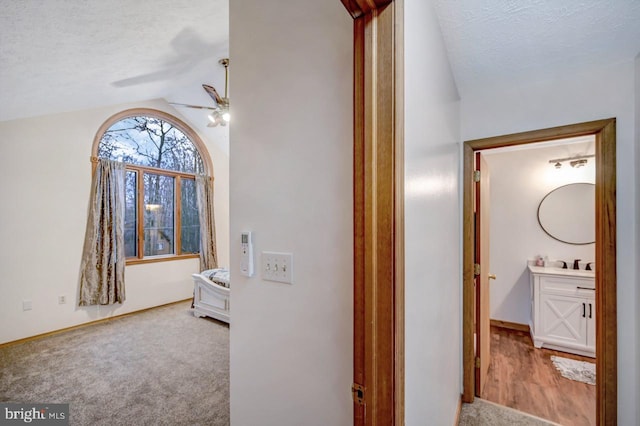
(559, 271)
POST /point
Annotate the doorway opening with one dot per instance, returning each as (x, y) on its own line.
(539, 208)
(603, 132)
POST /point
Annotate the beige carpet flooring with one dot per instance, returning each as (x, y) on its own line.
(485, 413)
(159, 367)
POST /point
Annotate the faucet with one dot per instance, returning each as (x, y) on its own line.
(576, 265)
(564, 264)
(588, 268)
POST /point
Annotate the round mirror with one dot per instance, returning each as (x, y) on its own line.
(568, 213)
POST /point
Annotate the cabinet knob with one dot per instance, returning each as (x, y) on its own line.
(492, 276)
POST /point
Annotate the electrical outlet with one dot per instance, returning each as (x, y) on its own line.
(62, 299)
(26, 305)
(277, 267)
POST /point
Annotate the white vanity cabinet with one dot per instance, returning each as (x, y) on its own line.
(563, 310)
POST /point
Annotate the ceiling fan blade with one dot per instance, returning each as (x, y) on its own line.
(144, 78)
(193, 106)
(151, 77)
(187, 49)
(211, 91)
(189, 42)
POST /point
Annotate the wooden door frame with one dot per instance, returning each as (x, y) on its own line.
(482, 283)
(378, 215)
(606, 321)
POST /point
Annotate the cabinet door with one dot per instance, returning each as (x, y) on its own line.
(591, 324)
(563, 318)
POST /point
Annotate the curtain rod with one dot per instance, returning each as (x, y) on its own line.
(94, 160)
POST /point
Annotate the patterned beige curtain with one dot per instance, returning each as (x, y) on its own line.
(208, 253)
(103, 258)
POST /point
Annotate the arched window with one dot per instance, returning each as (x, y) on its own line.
(162, 157)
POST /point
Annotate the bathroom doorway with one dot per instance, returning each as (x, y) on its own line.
(542, 207)
(603, 140)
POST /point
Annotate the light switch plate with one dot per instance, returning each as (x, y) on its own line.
(277, 267)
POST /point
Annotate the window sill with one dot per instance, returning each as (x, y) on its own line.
(155, 259)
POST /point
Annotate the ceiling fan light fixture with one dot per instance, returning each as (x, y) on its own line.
(219, 116)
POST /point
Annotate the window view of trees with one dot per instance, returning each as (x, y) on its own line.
(158, 214)
(160, 185)
(131, 214)
(152, 142)
(190, 226)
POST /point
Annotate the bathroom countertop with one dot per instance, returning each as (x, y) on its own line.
(559, 271)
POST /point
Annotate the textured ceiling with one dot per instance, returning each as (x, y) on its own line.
(496, 41)
(65, 55)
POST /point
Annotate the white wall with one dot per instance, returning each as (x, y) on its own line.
(291, 184)
(519, 181)
(566, 99)
(637, 187)
(432, 224)
(46, 175)
(220, 158)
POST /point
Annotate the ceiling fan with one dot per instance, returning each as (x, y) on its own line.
(219, 115)
(187, 49)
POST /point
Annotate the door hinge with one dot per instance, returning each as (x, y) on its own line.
(477, 362)
(476, 175)
(358, 393)
(476, 269)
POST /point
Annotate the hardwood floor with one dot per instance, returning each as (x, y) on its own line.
(523, 377)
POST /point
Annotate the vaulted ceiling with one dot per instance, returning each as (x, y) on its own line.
(491, 42)
(64, 55)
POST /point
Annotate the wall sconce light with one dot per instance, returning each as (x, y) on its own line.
(575, 162)
(578, 163)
